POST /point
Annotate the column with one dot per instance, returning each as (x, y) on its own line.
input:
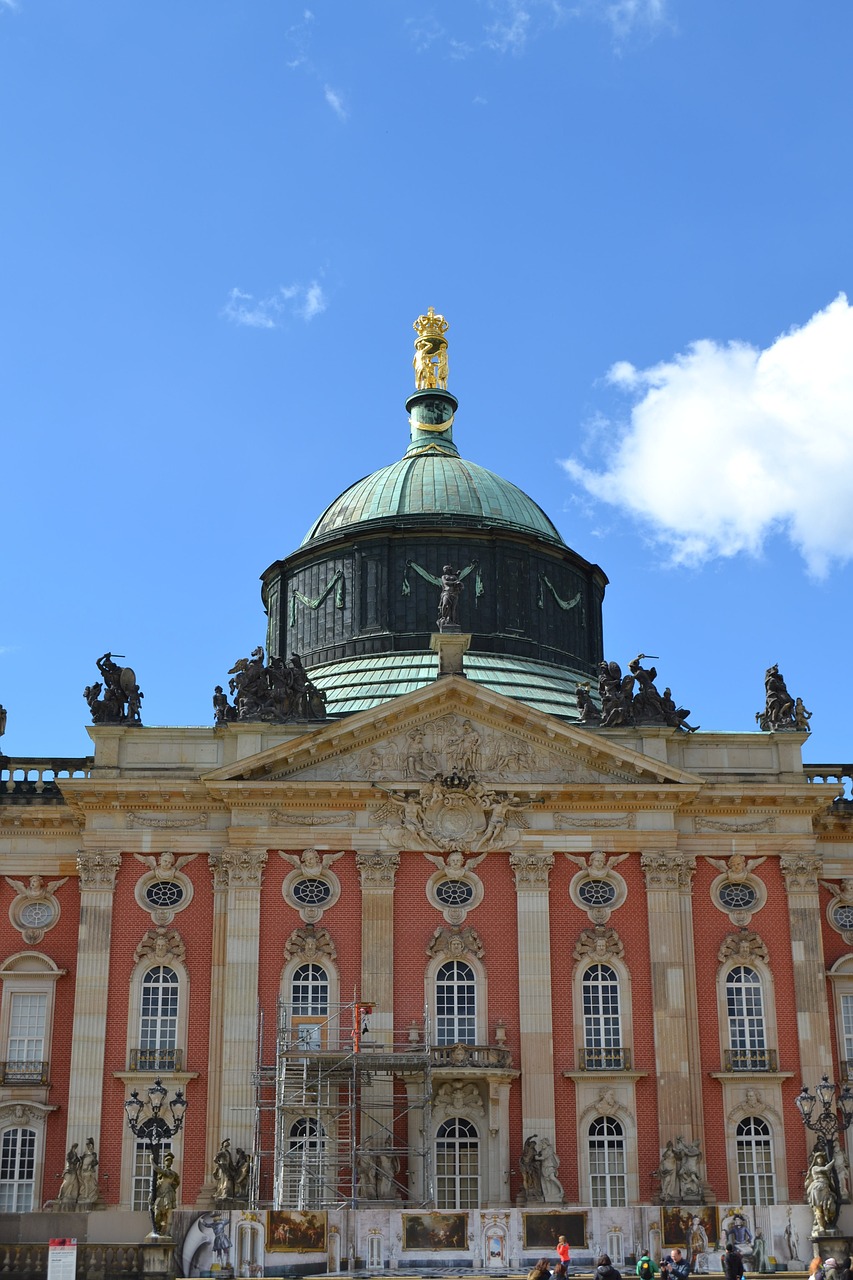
(801, 873)
(244, 869)
(669, 901)
(97, 879)
(499, 1090)
(534, 992)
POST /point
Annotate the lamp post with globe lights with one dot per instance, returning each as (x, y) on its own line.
(833, 1118)
(155, 1130)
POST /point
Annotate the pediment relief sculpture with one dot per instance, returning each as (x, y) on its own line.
(455, 942)
(453, 744)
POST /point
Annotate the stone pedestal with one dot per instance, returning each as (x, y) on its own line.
(451, 647)
(157, 1256)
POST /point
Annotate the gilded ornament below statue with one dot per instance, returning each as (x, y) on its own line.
(430, 359)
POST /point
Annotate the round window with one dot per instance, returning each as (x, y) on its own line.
(737, 897)
(842, 917)
(164, 893)
(454, 893)
(311, 892)
(37, 915)
(596, 893)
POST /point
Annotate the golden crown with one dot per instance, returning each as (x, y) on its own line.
(430, 325)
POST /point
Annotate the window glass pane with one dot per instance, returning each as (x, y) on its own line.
(601, 1008)
(755, 1162)
(745, 1010)
(17, 1170)
(456, 1004)
(26, 1027)
(309, 992)
(457, 1165)
(141, 1184)
(847, 1025)
(608, 1179)
(158, 1024)
(304, 1173)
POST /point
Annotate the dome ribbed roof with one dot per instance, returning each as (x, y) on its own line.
(434, 483)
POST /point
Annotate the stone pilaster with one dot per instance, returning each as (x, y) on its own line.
(212, 1135)
(499, 1090)
(377, 872)
(534, 992)
(669, 887)
(801, 872)
(97, 878)
(244, 869)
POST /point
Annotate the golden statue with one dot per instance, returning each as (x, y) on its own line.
(430, 360)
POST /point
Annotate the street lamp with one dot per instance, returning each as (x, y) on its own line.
(827, 1124)
(155, 1130)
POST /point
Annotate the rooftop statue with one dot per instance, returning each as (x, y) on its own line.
(430, 359)
(122, 700)
(621, 706)
(781, 711)
(278, 691)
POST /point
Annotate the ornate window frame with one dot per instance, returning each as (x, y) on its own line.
(841, 979)
(324, 955)
(609, 1105)
(28, 973)
(454, 913)
(171, 955)
(310, 865)
(585, 959)
(163, 915)
(755, 959)
(740, 917)
(481, 993)
(597, 869)
(29, 1115)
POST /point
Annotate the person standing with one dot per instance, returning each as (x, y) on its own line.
(647, 1268)
(732, 1263)
(563, 1251)
(679, 1267)
(605, 1269)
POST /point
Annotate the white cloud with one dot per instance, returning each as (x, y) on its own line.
(728, 444)
(303, 302)
(509, 32)
(336, 102)
(626, 15)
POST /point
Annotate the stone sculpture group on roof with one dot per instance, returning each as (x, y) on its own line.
(278, 691)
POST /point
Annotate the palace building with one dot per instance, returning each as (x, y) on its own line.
(453, 936)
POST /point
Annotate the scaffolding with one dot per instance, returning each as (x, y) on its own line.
(341, 1119)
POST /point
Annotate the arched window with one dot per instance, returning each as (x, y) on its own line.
(304, 1164)
(457, 1165)
(601, 1022)
(456, 1004)
(756, 1179)
(141, 1187)
(309, 1005)
(745, 1008)
(158, 1020)
(17, 1170)
(608, 1186)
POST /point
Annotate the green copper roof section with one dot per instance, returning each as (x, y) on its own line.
(432, 479)
(357, 684)
(429, 482)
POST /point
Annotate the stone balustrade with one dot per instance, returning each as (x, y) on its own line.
(34, 779)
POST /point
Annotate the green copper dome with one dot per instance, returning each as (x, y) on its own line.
(432, 480)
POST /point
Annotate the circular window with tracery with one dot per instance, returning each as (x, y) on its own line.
(842, 917)
(164, 893)
(454, 893)
(597, 893)
(37, 915)
(311, 892)
(737, 897)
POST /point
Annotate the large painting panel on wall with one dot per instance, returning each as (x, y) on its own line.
(542, 1229)
(294, 1231)
(435, 1231)
(694, 1229)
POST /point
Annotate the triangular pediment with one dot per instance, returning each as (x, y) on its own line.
(454, 727)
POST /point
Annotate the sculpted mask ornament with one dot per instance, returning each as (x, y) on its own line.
(455, 943)
(309, 943)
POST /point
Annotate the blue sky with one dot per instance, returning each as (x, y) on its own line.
(219, 221)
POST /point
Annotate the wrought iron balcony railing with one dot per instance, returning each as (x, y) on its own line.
(156, 1059)
(612, 1059)
(22, 1071)
(750, 1060)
